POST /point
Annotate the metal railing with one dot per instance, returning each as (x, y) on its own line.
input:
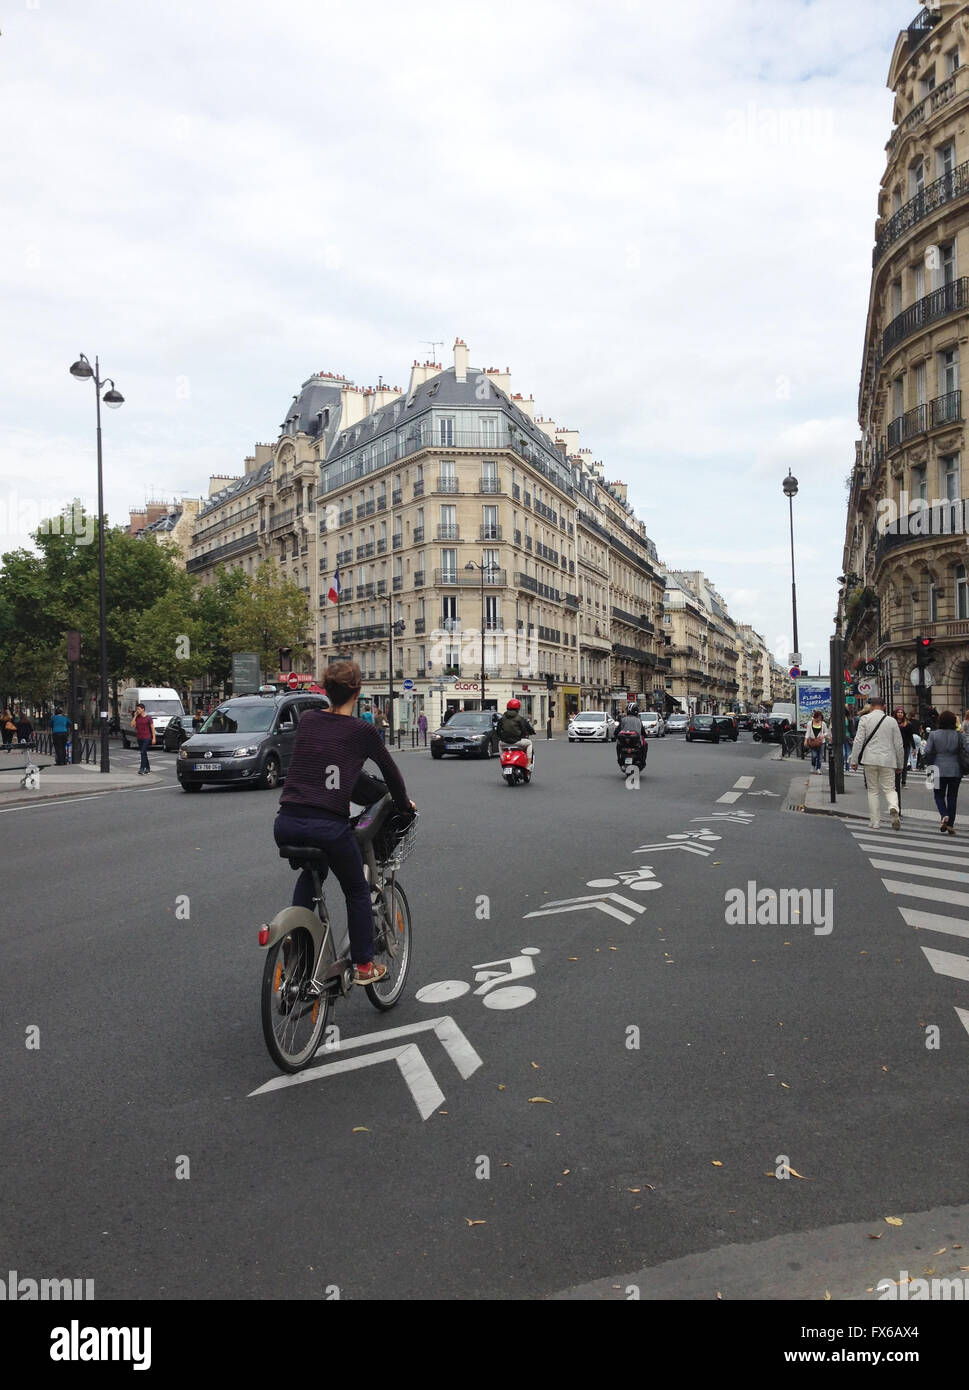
(933, 196)
(944, 410)
(932, 307)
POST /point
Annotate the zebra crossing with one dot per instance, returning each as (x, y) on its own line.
(922, 866)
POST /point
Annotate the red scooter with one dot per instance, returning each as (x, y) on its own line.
(514, 766)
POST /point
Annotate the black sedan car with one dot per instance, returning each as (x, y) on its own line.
(469, 733)
(711, 728)
(177, 730)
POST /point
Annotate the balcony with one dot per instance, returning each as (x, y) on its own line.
(932, 197)
(926, 108)
(488, 484)
(464, 579)
(221, 552)
(418, 490)
(381, 587)
(448, 531)
(642, 622)
(634, 654)
(489, 533)
(528, 542)
(418, 580)
(397, 496)
(382, 503)
(528, 499)
(361, 511)
(532, 586)
(447, 483)
(282, 521)
(549, 634)
(418, 535)
(548, 512)
(365, 590)
(397, 541)
(398, 583)
(936, 524)
(919, 30)
(518, 538)
(420, 626)
(572, 601)
(346, 517)
(516, 492)
(944, 410)
(382, 546)
(344, 557)
(948, 299)
(449, 624)
(365, 552)
(552, 556)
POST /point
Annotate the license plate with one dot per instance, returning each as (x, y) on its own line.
(206, 767)
(453, 747)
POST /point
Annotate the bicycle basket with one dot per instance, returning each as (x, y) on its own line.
(395, 841)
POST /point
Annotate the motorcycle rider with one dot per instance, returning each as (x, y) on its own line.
(514, 730)
(630, 723)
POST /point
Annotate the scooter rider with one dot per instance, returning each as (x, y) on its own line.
(514, 730)
(630, 723)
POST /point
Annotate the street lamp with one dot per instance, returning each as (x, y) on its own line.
(112, 398)
(489, 568)
(790, 492)
(393, 630)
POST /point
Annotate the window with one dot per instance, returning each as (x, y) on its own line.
(962, 592)
(489, 473)
(488, 429)
(933, 602)
(489, 518)
(449, 522)
(928, 81)
(492, 621)
(920, 485)
(951, 61)
(918, 281)
(449, 611)
(445, 426)
(945, 158)
(916, 177)
(489, 559)
(920, 376)
(896, 199)
(449, 566)
(898, 396)
(948, 371)
(949, 478)
(896, 298)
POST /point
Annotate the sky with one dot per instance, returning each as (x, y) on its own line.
(660, 217)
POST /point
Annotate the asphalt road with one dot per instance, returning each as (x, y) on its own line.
(653, 1070)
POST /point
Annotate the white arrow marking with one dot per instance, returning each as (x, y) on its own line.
(690, 849)
(763, 793)
(409, 1058)
(597, 900)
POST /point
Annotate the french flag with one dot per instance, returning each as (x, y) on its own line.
(334, 594)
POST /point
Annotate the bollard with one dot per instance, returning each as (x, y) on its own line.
(548, 729)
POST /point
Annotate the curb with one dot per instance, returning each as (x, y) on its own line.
(31, 798)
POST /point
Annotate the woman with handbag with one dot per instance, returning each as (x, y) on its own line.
(815, 737)
(947, 752)
(878, 749)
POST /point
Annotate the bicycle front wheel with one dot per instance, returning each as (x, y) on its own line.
(292, 1021)
(392, 948)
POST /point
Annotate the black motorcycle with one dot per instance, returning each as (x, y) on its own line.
(631, 750)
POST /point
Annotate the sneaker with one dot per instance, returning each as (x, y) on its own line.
(368, 974)
(944, 826)
(896, 820)
(950, 830)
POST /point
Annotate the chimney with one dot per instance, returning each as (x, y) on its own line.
(156, 510)
(137, 521)
(526, 404)
(352, 406)
(460, 360)
(570, 438)
(620, 490)
(502, 379)
(419, 373)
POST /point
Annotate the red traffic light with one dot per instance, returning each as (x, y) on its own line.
(925, 641)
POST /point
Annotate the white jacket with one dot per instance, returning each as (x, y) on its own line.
(885, 748)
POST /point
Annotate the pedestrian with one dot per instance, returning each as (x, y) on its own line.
(382, 724)
(908, 742)
(144, 727)
(878, 748)
(948, 753)
(25, 731)
(8, 729)
(816, 735)
(422, 726)
(367, 714)
(918, 742)
(60, 728)
(931, 720)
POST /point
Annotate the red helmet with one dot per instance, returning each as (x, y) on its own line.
(514, 704)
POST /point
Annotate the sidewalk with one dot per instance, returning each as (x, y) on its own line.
(75, 779)
(813, 794)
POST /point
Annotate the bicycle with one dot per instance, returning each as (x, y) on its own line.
(307, 970)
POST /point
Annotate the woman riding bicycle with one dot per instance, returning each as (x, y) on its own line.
(330, 750)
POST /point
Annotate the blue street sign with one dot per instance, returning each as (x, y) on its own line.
(408, 685)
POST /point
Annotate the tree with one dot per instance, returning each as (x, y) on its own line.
(272, 614)
(168, 644)
(216, 607)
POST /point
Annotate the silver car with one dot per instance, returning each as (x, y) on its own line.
(592, 726)
(653, 724)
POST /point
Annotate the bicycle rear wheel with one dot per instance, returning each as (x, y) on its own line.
(292, 1022)
(392, 947)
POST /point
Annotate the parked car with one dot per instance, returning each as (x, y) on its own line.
(592, 726)
(247, 740)
(179, 728)
(654, 724)
(772, 728)
(677, 723)
(711, 727)
(468, 733)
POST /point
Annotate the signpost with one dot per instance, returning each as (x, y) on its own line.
(246, 678)
(292, 680)
(73, 657)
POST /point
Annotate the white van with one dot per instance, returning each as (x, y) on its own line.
(160, 701)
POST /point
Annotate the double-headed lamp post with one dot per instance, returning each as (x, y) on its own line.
(112, 398)
(489, 568)
(790, 492)
(393, 630)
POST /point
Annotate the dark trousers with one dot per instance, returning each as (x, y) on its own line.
(60, 749)
(343, 856)
(946, 794)
(143, 745)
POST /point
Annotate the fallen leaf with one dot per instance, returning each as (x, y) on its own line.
(538, 1100)
(506, 1164)
(894, 1220)
(878, 1237)
(573, 958)
(795, 1174)
(957, 1247)
(501, 1087)
(535, 1065)
(716, 1163)
(719, 1294)
(566, 1172)
(634, 1189)
(360, 1129)
(785, 1085)
(442, 1112)
(942, 1251)
(884, 1069)
(613, 948)
(474, 1223)
(650, 1188)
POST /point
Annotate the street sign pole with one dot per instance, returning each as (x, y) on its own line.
(837, 715)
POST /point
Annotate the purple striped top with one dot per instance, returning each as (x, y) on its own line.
(328, 755)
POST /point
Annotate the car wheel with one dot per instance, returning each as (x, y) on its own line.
(436, 754)
(191, 786)
(124, 741)
(269, 777)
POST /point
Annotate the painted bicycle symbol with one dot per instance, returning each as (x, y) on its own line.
(493, 983)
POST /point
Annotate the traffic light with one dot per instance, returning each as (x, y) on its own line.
(924, 651)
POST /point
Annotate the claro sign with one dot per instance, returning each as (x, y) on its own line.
(461, 686)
